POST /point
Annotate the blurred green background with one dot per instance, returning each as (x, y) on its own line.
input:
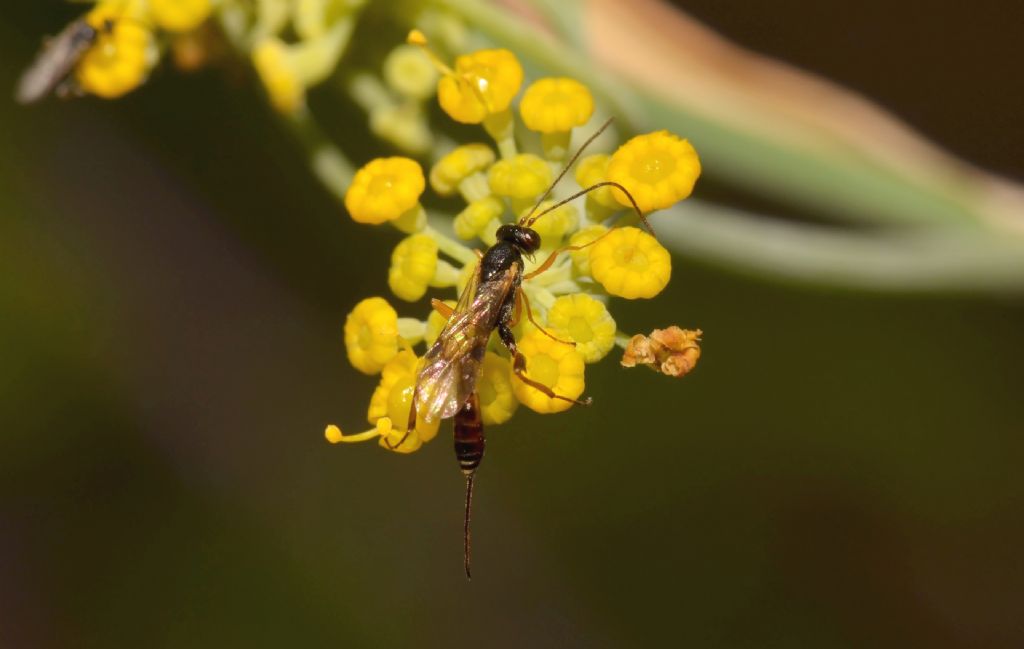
(843, 470)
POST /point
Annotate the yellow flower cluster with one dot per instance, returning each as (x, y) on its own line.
(562, 317)
(129, 38)
(293, 44)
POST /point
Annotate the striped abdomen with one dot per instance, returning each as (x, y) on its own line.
(469, 435)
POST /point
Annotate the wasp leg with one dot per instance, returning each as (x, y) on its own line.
(517, 310)
(521, 297)
(554, 255)
(519, 368)
(411, 426)
(442, 308)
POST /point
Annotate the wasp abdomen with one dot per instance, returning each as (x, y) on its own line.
(469, 436)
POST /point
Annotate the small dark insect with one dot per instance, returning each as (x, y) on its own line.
(51, 71)
(493, 299)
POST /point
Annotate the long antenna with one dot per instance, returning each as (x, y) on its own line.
(566, 168)
(467, 544)
(604, 183)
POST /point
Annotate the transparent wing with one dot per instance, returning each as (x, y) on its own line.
(54, 63)
(452, 364)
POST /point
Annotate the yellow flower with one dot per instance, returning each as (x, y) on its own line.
(587, 323)
(120, 59)
(393, 396)
(371, 335)
(523, 177)
(659, 169)
(180, 15)
(592, 170)
(554, 105)
(459, 164)
(413, 264)
(555, 224)
(435, 323)
(384, 190)
(581, 258)
(497, 399)
(553, 364)
(483, 83)
(474, 220)
(630, 263)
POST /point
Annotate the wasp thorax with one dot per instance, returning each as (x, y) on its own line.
(524, 238)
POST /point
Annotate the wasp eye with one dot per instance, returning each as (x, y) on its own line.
(531, 240)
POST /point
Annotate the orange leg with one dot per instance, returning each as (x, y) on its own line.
(554, 255)
(519, 367)
(410, 426)
(521, 297)
(517, 311)
(442, 308)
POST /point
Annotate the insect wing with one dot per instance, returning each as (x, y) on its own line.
(452, 364)
(54, 62)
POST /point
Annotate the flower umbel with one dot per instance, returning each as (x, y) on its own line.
(560, 314)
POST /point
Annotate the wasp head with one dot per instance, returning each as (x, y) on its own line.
(522, 237)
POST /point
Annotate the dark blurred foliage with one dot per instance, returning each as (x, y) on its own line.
(841, 471)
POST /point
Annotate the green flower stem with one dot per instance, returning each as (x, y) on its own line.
(938, 260)
(449, 246)
(329, 163)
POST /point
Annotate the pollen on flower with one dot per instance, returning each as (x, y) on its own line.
(459, 164)
(393, 397)
(371, 335)
(497, 398)
(659, 169)
(120, 59)
(525, 176)
(672, 351)
(413, 264)
(556, 104)
(586, 322)
(630, 263)
(385, 189)
(554, 364)
(483, 83)
(180, 15)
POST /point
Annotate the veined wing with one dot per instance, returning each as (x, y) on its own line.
(452, 364)
(55, 62)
